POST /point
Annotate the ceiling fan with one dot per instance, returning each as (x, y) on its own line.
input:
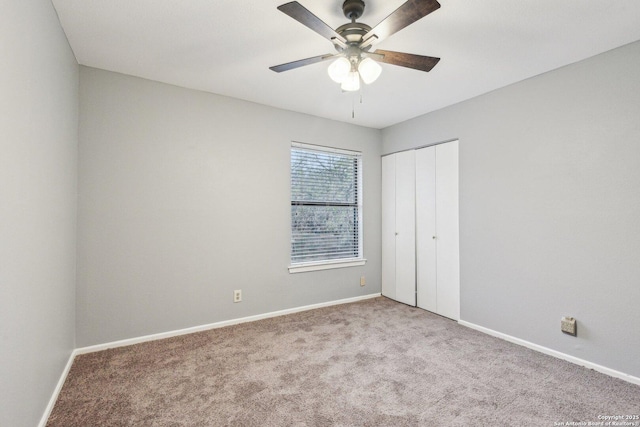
(354, 40)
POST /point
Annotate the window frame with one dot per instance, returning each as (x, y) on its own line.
(305, 266)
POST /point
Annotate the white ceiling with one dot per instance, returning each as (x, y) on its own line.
(227, 46)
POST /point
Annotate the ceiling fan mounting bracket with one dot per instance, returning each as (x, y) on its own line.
(353, 9)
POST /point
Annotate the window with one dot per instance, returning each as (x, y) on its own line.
(326, 208)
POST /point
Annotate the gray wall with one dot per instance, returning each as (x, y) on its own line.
(184, 197)
(550, 205)
(38, 170)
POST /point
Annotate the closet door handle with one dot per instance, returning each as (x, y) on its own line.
(434, 237)
(396, 233)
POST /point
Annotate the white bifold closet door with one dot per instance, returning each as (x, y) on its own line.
(437, 232)
(398, 227)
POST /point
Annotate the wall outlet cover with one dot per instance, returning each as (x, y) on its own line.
(569, 326)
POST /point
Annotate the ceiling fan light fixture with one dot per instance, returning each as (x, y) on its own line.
(339, 69)
(369, 70)
(352, 82)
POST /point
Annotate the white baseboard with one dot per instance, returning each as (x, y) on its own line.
(221, 324)
(576, 360)
(56, 391)
(153, 337)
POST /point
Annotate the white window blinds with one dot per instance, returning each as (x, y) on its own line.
(325, 204)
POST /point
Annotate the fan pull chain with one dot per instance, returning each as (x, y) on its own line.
(353, 109)
(353, 102)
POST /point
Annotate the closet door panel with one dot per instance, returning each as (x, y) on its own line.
(447, 241)
(426, 229)
(389, 226)
(405, 228)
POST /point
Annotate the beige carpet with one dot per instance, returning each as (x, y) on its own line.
(371, 363)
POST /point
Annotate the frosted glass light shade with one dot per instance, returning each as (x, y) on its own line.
(352, 82)
(339, 69)
(369, 70)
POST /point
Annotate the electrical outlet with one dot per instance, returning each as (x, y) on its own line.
(569, 326)
(237, 295)
(362, 281)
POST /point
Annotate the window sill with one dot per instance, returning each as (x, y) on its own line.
(326, 265)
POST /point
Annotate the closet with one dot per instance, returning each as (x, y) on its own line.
(420, 240)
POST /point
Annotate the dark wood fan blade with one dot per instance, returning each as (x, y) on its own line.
(301, 63)
(402, 17)
(302, 15)
(409, 60)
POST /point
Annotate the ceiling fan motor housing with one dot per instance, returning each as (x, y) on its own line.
(353, 9)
